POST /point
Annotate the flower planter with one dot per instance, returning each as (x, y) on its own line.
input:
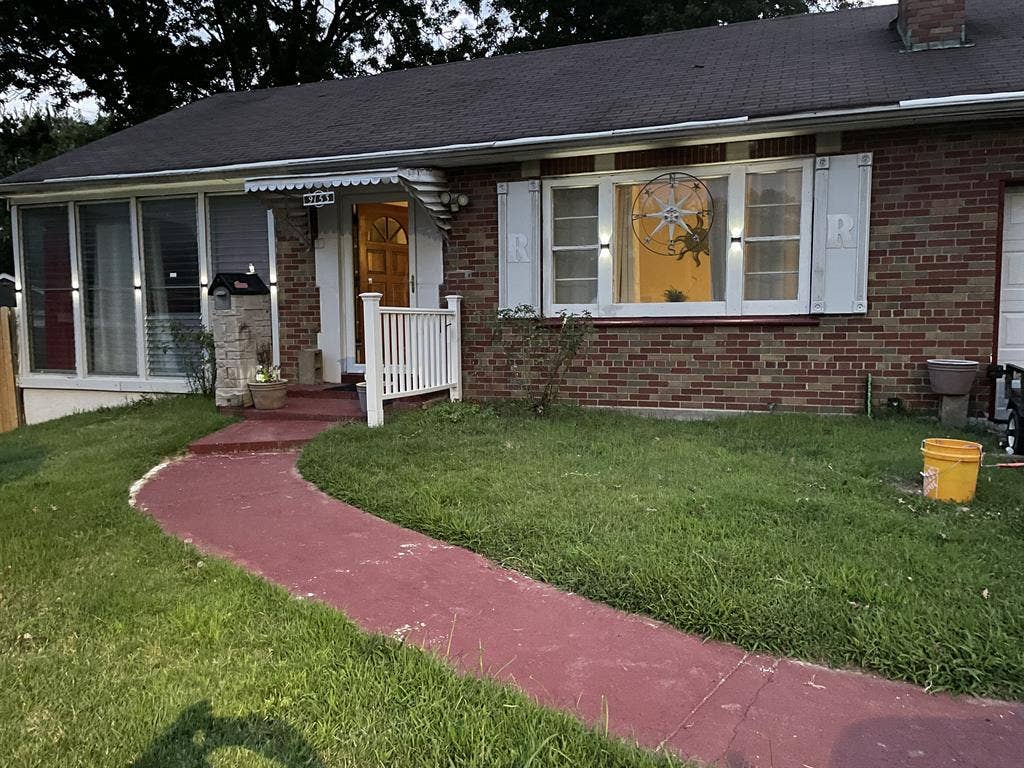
(268, 395)
(952, 377)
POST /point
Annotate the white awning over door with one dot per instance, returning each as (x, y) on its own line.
(425, 185)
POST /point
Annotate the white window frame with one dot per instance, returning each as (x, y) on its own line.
(140, 278)
(734, 304)
(206, 266)
(81, 378)
(76, 278)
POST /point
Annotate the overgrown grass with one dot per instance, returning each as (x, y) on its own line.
(121, 646)
(790, 534)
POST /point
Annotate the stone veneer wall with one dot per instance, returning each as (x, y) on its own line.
(932, 292)
(238, 332)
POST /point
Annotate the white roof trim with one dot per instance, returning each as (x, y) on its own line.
(425, 185)
(961, 105)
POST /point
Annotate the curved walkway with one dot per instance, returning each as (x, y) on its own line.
(647, 681)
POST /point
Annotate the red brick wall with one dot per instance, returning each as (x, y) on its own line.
(561, 166)
(931, 293)
(298, 295)
(786, 146)
(652, 158)
(932, 23)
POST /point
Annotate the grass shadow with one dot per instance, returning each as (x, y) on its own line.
(189, 740)
(19, 458)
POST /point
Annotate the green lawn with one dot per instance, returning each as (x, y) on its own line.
(789, 534)
(120, 646)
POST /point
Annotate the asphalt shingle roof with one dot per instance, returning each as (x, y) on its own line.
(783, 66)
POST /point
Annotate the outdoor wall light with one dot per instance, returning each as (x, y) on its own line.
(454, 201)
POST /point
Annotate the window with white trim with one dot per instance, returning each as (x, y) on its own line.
(754, 260)
(170, 260)
(108, 288)
(107, 282)
(238, 235)
(49, 312)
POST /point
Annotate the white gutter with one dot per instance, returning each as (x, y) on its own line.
(667, 130)
(399, 153)
(951, 101)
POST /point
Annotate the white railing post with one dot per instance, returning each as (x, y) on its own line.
(455, 347)
(372, 353)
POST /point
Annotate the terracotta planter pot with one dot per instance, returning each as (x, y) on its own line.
(952, 377)
(268, 395)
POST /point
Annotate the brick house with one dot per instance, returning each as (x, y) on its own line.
(805, 201)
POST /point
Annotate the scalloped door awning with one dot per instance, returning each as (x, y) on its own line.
(425, 185)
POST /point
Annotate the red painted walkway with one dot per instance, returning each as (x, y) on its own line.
(659, 686)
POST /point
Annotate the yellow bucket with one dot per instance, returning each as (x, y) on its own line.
(950, 469)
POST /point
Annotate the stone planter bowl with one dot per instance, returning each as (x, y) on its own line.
(268, 395)
(952, 377)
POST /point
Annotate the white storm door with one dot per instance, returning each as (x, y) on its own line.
(1011, 295)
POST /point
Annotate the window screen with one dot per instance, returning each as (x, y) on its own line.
(47, 280)
(771, 266)
(574, 244)
(238, 235)
(108, 288)
(170, 255)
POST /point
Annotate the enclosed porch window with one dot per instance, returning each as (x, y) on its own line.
(108, 284)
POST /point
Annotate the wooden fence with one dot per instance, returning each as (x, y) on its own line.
(10, 410)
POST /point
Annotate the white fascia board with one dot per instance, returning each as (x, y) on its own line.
(965, 99)
(951, 107)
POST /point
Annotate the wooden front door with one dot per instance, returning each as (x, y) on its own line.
(383, 258)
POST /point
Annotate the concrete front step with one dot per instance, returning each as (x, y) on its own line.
(255, 436)
(322, 391)
(305, 409)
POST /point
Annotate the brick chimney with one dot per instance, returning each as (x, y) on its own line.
(925, 24)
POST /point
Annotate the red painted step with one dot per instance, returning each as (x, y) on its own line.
(322, 391)
(305, 409)
(255, 436)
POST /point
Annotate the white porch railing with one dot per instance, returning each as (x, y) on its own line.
(409, 352)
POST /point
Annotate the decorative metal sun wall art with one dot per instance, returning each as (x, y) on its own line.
(673, 214)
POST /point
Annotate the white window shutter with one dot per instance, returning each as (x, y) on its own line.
(842, 212)
(519, 244)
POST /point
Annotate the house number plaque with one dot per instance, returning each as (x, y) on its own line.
(318, 199)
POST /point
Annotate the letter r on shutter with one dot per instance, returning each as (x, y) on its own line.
(519, 244)
(839, 253)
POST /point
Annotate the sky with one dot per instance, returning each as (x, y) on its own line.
(88, 108)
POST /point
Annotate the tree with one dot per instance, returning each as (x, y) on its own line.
(141, 58)
(536, 24)
(30, 138)
(135, 57)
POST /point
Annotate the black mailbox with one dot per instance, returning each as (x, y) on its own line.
(227, 284)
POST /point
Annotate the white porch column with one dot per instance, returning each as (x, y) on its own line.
(372, 353)
(455, 346)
